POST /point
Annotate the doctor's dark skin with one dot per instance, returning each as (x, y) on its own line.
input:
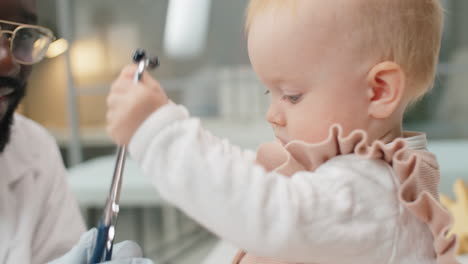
(12, 74)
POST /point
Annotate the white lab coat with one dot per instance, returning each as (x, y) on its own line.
(39, 217)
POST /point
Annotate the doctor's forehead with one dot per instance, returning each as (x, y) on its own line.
(22, 11)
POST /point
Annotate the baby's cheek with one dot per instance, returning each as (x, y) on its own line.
(310, 129)
(316, 136)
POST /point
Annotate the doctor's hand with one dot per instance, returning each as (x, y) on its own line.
(129, 104)
(126, 252)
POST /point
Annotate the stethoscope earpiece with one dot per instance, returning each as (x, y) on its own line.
(139, 55)
(153, 62)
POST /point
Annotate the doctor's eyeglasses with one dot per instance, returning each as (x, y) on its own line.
(28, 43)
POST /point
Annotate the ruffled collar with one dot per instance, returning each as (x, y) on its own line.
(415, 140)
(416, 169)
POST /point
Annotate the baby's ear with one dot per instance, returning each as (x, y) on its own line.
(387, 84)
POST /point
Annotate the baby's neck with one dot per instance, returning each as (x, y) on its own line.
(391, 134)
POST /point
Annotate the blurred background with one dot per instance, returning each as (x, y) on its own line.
(204, 65)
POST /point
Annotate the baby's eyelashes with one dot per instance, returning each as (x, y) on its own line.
(293, 99)
(290, 98)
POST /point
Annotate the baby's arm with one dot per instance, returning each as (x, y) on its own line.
(345, 210)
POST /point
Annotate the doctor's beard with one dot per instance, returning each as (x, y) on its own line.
(8, 106)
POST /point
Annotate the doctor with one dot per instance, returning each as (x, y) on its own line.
(39, 217)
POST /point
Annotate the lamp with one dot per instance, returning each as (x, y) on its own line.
(57, 48)
(186, 27)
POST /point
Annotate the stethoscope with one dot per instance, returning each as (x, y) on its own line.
(106, 228)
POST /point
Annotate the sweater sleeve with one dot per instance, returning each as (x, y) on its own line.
(346, 209)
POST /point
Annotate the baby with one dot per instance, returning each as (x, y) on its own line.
(343, 183)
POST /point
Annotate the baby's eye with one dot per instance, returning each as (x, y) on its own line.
(293, 98)
(266, 92)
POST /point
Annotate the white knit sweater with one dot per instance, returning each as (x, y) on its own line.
(340, 213)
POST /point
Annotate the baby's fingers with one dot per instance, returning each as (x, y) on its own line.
(128, 72)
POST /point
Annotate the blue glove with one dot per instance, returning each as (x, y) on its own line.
(126, 252)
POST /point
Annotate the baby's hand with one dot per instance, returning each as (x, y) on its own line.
(129, 104)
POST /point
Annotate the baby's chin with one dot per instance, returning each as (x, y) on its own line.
(270, 155)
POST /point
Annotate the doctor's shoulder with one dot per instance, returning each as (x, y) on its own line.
(31, 137)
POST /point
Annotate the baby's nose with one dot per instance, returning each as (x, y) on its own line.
(275, 116)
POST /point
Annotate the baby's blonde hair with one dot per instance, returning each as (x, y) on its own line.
(407, 32)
